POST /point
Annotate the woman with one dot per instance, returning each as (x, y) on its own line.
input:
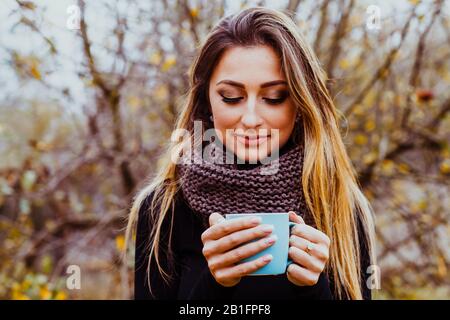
(258, 85)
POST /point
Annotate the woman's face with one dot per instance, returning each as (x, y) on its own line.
(253, 112)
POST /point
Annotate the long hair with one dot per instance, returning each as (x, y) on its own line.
(329, 182)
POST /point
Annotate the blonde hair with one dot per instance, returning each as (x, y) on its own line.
(329, 182)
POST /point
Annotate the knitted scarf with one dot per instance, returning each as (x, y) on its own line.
(208, 186)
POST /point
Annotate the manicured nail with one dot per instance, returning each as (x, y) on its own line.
(291, 239)
(271, 239)
(255, 220)
(267, 258)
(267, 228)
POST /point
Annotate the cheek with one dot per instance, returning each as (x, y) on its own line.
(224, 116)
(282, 119)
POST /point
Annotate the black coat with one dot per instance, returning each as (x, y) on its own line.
(192, 278)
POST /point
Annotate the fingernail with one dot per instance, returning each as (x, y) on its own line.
(267, 258)
(267, 228)
(255, 220)
(271, 239)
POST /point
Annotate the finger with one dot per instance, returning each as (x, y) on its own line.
(295, 217)
(215, 218)
(245, 268)
(303, 259)
(316, 250)
(219, 230)
(298, 242)
(301, 276)
(311, 234)
(236, 255)
(240, 237)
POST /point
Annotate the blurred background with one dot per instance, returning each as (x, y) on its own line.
(89, 92)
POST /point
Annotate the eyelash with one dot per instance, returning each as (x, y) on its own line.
(269, 101)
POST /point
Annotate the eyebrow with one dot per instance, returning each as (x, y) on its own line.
(240, 85)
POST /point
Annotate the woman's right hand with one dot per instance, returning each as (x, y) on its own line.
(223, 249)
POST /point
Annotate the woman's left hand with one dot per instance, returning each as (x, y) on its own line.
(309, 250)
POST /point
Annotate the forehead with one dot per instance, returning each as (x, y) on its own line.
(255, 65)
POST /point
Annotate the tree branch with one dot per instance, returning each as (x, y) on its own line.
(382, 69)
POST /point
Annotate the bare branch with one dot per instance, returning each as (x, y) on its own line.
(382, 69)
(335, 48)
(418, 62)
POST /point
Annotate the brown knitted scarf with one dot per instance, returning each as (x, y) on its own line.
(208, 186)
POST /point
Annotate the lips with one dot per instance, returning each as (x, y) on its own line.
(252, 140)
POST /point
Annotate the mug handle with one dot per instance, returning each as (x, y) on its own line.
(291, 224)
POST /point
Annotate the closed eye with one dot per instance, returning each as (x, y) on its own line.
(268, 100)
(231, 100)
(275, 101)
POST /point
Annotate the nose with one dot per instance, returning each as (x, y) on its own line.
(251, 118)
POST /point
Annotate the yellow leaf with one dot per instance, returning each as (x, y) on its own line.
(361, 139)
(442, 267)
(26, 284)
(425, 218)
(419, 206)
(194, 12)
(403, 168)
(344, 64)
(359, 109)
(61, 295)
(45, 293)
(387, 167)
(16, 287)
(27, 5)
(168, 63)
(34, 70)
(134, 103)
(43, 146)
(152, 116)
(120, 242)
(88, 82)
(161, 93)
(155, 58)
(370, 157)
(19, 296)
(348, 89)
(414, 2)
(445, 166)
(369, 125)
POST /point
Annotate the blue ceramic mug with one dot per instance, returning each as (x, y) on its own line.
(279, 250)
